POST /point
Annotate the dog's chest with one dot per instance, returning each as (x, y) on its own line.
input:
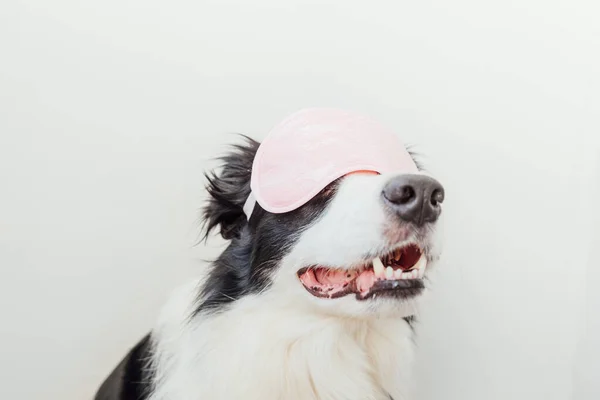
(335, 363)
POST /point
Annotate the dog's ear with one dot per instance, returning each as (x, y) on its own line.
(228, 191)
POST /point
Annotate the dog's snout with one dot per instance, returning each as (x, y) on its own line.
(415, 198)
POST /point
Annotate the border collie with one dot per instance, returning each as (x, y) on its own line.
(270, 322)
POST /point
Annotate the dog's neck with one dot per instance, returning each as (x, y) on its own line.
(264, 350)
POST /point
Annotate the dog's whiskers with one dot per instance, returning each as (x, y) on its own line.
(226, 295)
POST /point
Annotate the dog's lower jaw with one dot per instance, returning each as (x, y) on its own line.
(258, 349)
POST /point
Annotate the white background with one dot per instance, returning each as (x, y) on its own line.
(111, 110)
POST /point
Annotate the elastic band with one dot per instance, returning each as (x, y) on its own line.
(249, 205)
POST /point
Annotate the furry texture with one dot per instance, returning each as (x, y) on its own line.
(250, 330)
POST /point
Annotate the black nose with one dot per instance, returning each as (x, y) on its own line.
(415, 198)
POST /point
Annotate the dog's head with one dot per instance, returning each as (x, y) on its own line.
(363, 246)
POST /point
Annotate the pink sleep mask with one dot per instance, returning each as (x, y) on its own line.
(312, 148)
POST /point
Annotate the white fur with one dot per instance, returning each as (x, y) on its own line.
(266, 348)
(285, 343)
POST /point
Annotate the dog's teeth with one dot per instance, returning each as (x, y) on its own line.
(398, 274)
(407, 275)
(415, 274)
(378, 267)
(389, 273)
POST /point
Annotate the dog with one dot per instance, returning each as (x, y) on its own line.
(318, 303)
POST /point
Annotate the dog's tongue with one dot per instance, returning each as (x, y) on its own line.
(333, 276)
(336, 279)
(327, 279)
(329, 282)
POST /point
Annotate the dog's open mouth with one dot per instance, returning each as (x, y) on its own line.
(397, 274)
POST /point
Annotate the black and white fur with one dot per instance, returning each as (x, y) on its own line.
(251, 331)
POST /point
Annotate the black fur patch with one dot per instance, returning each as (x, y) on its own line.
(131, 379)
(256, 247)
(229, 190)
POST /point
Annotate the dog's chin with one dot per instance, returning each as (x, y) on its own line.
(396, 276)
(382, 304)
